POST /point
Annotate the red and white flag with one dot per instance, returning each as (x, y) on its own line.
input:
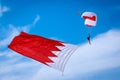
(47, 51)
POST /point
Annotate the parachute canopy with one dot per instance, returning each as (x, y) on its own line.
(90, 18)
(47, 51)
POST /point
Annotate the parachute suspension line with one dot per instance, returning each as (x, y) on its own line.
(89, 30)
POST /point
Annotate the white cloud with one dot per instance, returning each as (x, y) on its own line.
(103, 54)
(18, 66)
(14, 70)
(3, 9)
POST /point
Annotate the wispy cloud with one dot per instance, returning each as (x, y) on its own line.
(36, 19)
(3, 9)
(14, 65)
(13, 31)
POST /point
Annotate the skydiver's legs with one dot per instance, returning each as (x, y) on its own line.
(88, 38)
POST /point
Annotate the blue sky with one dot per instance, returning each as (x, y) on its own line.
(59, 19)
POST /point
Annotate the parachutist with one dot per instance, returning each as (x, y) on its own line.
(88, 38)
(90, 21)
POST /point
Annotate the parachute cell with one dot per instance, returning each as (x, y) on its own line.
(90, 18)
